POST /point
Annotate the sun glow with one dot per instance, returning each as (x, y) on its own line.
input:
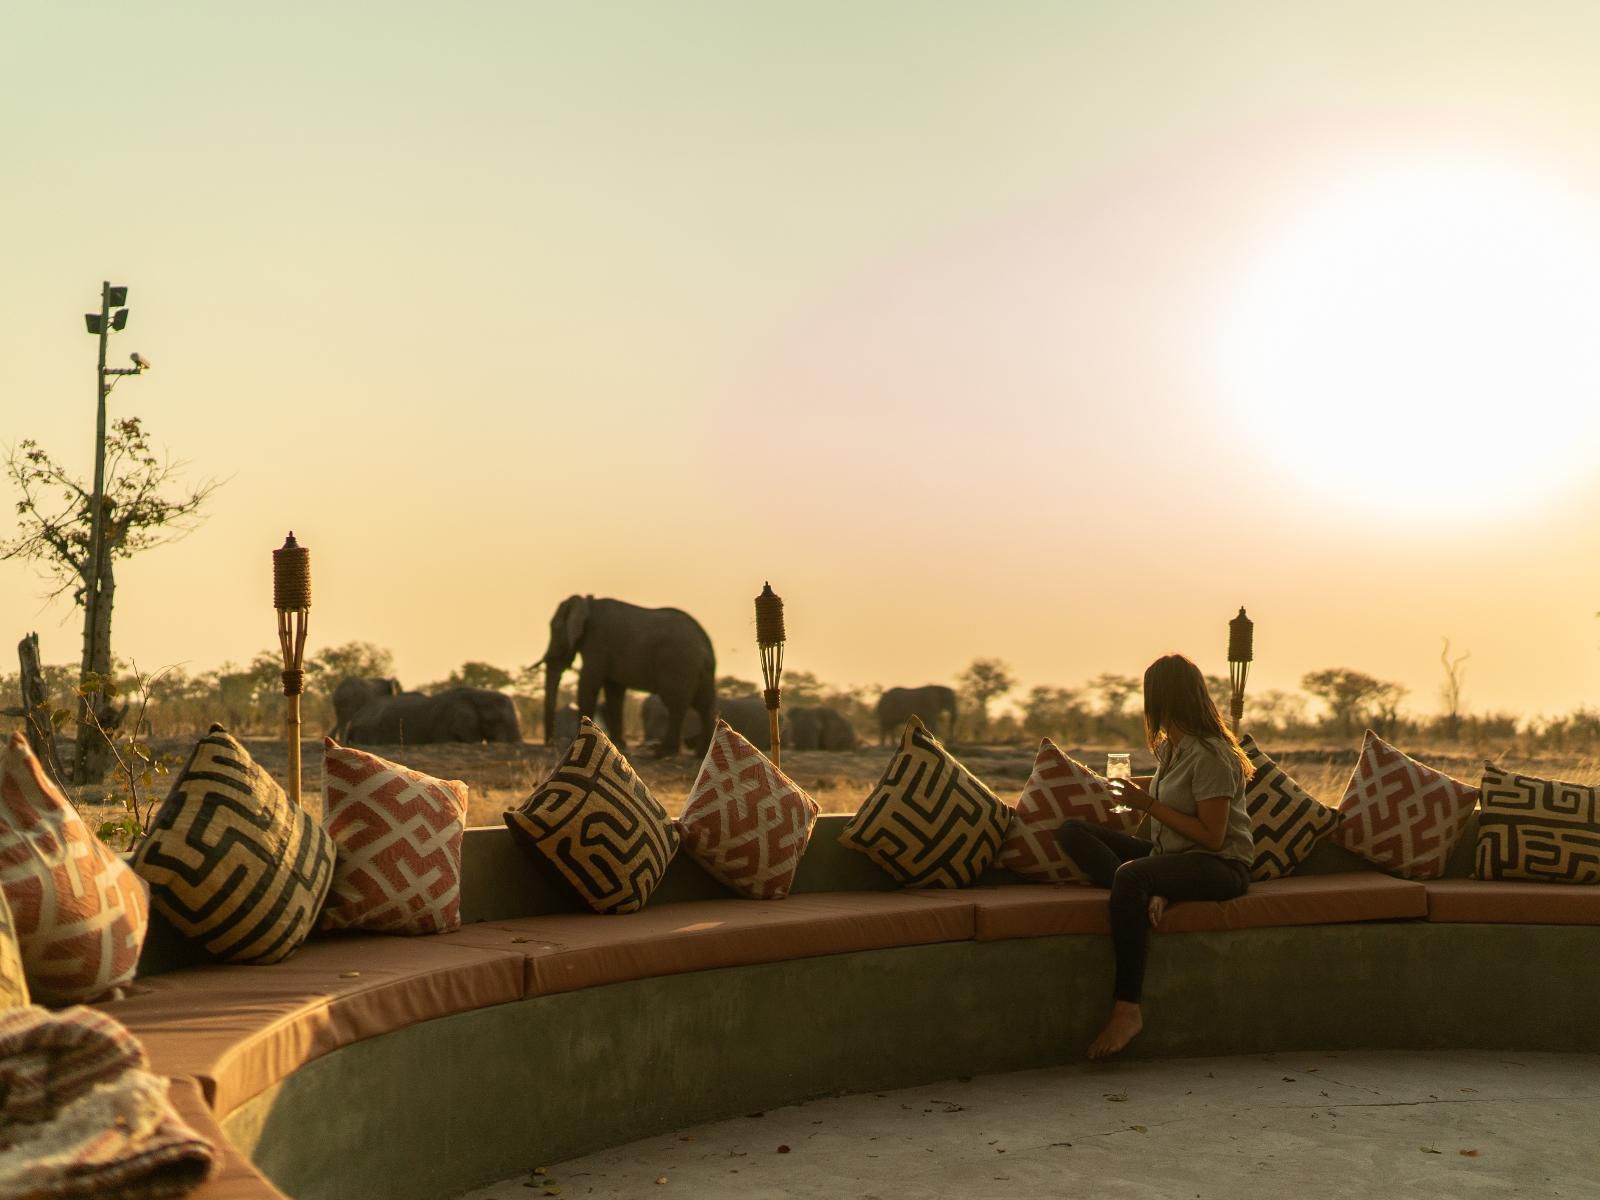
(1424, 341)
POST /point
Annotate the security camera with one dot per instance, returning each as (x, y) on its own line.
(140, 361)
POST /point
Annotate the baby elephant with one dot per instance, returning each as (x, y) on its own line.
(456, 715)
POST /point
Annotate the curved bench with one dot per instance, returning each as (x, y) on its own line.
(401, 1068)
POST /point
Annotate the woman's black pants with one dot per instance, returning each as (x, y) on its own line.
(1126, 865)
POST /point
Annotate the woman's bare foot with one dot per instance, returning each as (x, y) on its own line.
(1121, 1028)
(1158, 908)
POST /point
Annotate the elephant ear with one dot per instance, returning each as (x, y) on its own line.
(577, 618)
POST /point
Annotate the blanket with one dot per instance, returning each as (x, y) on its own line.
(82, 1119)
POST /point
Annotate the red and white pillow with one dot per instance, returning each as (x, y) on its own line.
(80, 912)
(1400, 814)
(746, 823)
(397, 837)
(1060, 789)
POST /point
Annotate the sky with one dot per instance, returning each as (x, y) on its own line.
(1052, 332)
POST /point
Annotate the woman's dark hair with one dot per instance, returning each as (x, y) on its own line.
(1175, 694)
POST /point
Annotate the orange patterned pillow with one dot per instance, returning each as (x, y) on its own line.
(397, 844)
(1060, 789)
(746, 823)
(80, 911)
(1400, 814)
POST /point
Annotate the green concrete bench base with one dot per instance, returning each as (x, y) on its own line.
(452, 1104)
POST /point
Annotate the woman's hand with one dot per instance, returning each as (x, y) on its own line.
(1129, 793)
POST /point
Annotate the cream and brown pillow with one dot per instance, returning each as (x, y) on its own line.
(1286, 822)
(1537, 829)
(231, 863)
(397, 837)
(929, 822)
(1060, 789)
(1400, 814)
(746, 823)
(80, 914)
(13, 981)
(597, 824)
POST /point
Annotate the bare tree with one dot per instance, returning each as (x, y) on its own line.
(1115, 692)
(1450, 690)
(56, 513)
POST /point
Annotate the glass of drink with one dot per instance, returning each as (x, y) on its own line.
(1119, 766)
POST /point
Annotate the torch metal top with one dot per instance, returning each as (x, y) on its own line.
(291, 576)
(1241, 638)
(769, 617)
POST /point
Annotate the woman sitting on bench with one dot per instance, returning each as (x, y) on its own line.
(1200, 848)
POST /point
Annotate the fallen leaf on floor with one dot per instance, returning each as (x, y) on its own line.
(1116, 1097)
(1322, 1092)
(752, 1116)
(1429, 1150)
(539, 1171)
(1311, 1069)
(660, 1179)
(1140, 1128)
(1288, 1078)
(349, 974)
(1469, 1089)
(1469, 1154)
(688, 1137)
(783, 1149)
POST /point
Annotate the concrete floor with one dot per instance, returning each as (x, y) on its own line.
(1302, 1126)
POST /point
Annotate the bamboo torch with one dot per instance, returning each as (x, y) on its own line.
(291, 596)
(1241, 650)
(769, 637)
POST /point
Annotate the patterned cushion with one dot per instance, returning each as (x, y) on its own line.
(1060, 789)
(230, 862)
(1285, 821)
(929, 822)
(598, 825)
(1400, 814)
(746, 823)
(1540, 829)
(397, 838)
(80, 914)
(13, 983)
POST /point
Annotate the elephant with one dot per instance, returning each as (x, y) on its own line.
(747, 715)
(898, 705)
(567, 723)
(625, 647)
(818, 728)
(456, 715)
(352, 695)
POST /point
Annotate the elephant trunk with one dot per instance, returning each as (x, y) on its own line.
(553, 671)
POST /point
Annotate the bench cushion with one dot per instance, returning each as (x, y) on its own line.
(235, 1178)
(1039, 910)
(240, 1029)
(1060, 789)
(566, 952)
(1489, 902)
(1304, 900)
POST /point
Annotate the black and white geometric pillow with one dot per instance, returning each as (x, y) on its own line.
(597, 824)
(1285, 821)
(231, 862)
(1538, 829)
(929, 822)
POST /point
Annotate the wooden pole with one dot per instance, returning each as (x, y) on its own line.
(291, 596)
(1241, 651)
(769, 639)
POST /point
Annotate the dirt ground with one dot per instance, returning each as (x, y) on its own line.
(501, 776)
